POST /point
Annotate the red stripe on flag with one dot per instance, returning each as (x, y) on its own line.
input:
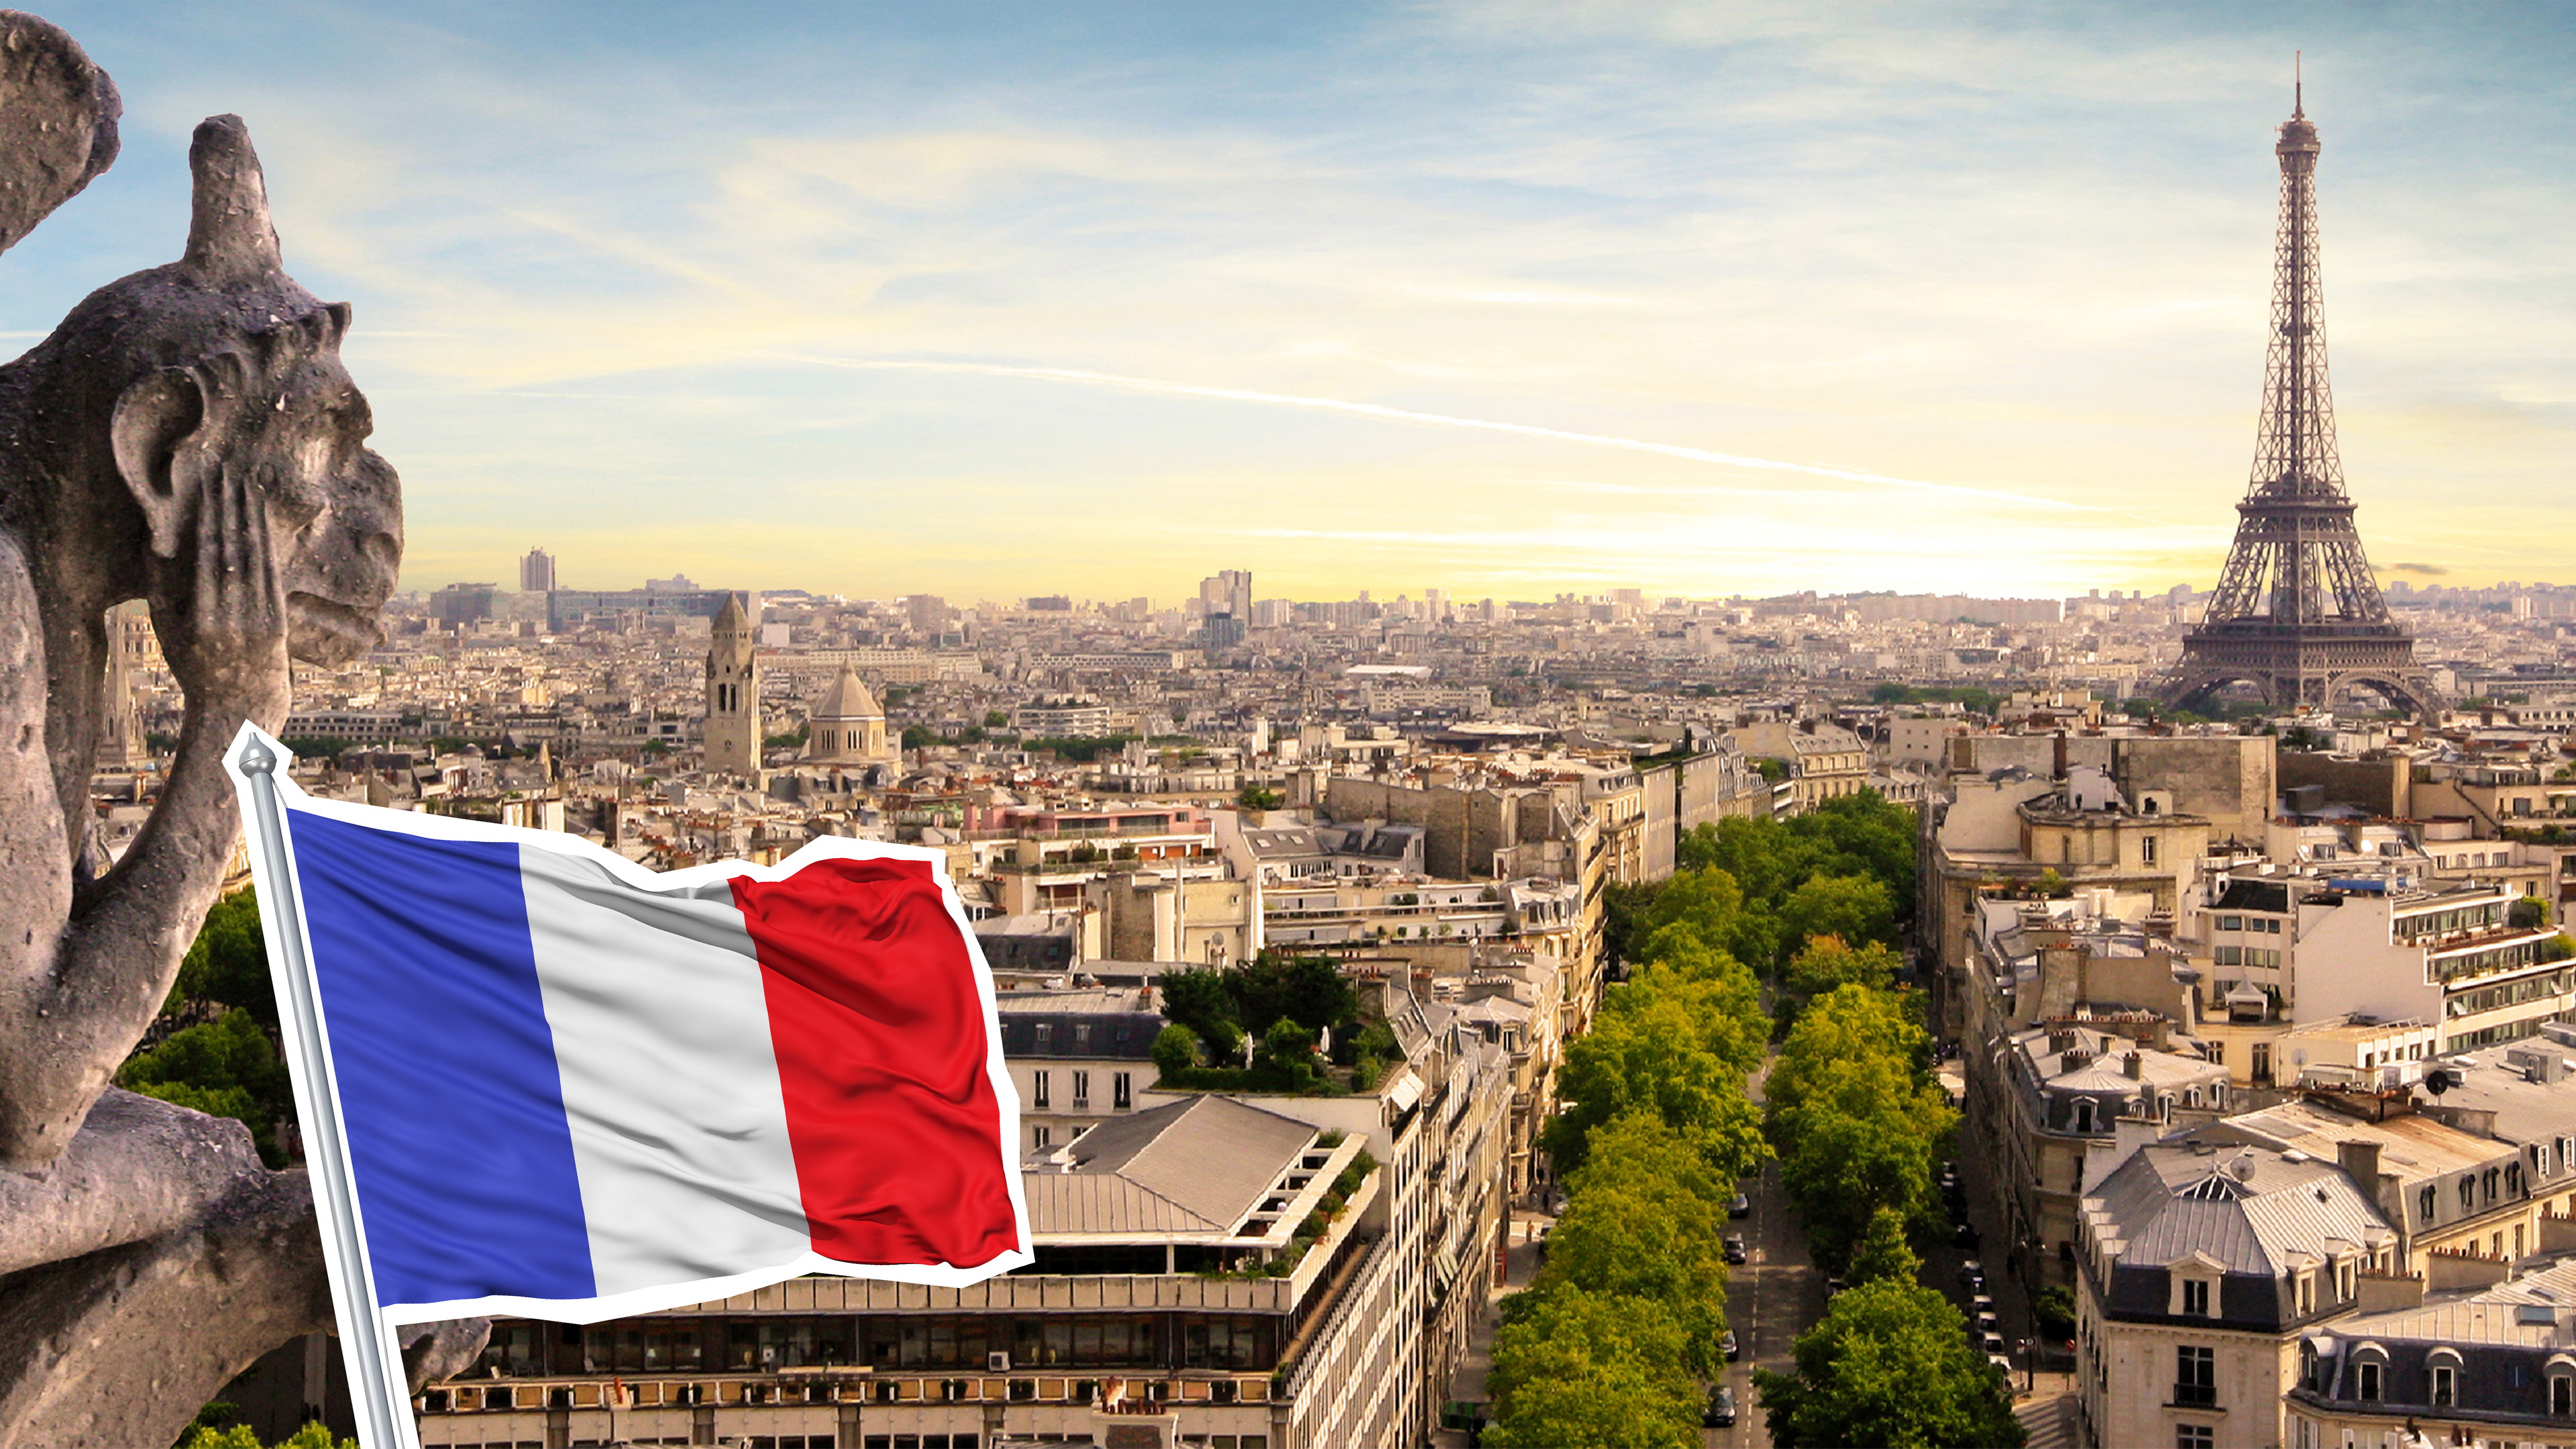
(880, 1038)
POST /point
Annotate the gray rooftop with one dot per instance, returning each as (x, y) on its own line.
(1197, 1167)
(2249, 1209)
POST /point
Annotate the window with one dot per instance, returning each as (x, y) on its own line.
(2446, 1386)
(2196, 1376)
(2307, 1294)
(1081, 1090)
(1041, 1137)
(1081, 1035)
(1120, 1095)
(1038, 1098)
(2195, 1436)
(1046, 1032)
(2562, 1395)
(2231, 923)
(2147, 849)
(2231, 955)
(2426, 1203)
(2195, 1297)
(2513, 1179)
(2468, 1191)
(2365, 1380)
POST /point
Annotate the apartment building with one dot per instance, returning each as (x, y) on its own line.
(2202, 1268)
(1078, 1057)
(2386, 946)
(1208, 1273)
(2490, 1367)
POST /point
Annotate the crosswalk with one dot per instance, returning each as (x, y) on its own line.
(2050, 1422)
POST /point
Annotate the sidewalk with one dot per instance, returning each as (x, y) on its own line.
(1469, 1386)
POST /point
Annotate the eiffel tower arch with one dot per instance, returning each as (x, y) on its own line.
(2298, 614)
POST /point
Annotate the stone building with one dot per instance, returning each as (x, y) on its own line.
(2202, 1268)
(846, 726)
(733, 693)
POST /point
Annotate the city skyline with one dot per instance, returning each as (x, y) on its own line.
(882, 303)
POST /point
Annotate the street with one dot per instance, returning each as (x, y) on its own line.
(1770, 1299)
(1777, 1294)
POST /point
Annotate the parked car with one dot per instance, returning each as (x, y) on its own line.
(1964, 1235)
(1988, 1323)
(1742, 1207)
(1721, 1408)
(1833, 1289)
(1973, 1269)
(1980, 1303)
(1992, 1344)
(1727, 1345)
(2001, 1363)
(1733, 1245)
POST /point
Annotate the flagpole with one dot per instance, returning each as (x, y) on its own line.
(375, 1389)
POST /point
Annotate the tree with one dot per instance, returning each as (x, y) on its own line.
(1890, 1363)
(1254, 797)
(1655, 1057)
(1855, 908)
(1176, 1051)
(227, 1067)
(1883, 1252)
(228, 962)
(1573, 1367)
(1827, 963)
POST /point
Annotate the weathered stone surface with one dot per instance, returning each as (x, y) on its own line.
(138, 1169)
(120, 1348)
(58, 117)
(188, 437)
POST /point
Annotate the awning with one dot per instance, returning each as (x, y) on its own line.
(1406, 1091)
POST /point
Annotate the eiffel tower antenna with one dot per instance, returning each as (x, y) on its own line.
(2298, 86)
(2298, 613)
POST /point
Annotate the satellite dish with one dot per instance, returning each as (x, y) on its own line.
(2439, 1080)
(2299, 1058)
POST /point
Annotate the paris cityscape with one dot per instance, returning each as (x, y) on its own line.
(1516, 944)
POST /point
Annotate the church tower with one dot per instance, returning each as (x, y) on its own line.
(733, 694)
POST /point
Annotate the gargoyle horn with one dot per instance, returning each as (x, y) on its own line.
(230, 240)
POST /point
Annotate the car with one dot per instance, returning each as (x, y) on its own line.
(1733, 1247)
(1949, 1175)
(1980, 1303)
(2001, 1362)
(1833, 1288)
(1988, 1323)
(1992, 1344)
(1973, 1269)
(1964, 1236)
(1742, 1207)
(1721, 1408)
(1727, 1345)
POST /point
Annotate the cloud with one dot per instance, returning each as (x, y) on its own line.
(2425, 569)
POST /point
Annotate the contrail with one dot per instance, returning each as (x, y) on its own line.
(1407, 415)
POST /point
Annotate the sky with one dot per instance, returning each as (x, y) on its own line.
(1507, 298)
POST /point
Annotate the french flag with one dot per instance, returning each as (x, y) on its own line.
(573, 1089)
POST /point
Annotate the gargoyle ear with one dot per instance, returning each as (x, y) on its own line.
(162, 434)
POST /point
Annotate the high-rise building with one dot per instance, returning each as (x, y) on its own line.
(2297, 613)
(928, 613)
(537, 572)
(1229, 592)
(733, 693)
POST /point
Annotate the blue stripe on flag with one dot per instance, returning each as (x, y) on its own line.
(448, 1087)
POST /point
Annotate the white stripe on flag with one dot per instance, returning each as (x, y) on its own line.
(661, 1028)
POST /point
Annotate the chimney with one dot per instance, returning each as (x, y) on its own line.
(2075, 1061)
(2060, 1039)
(2136, 1065)
(2060, 754)
(2360, 1162)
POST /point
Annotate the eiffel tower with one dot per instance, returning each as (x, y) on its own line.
(2298, 614)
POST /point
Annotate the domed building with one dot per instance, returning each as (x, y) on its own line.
(846, 726)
